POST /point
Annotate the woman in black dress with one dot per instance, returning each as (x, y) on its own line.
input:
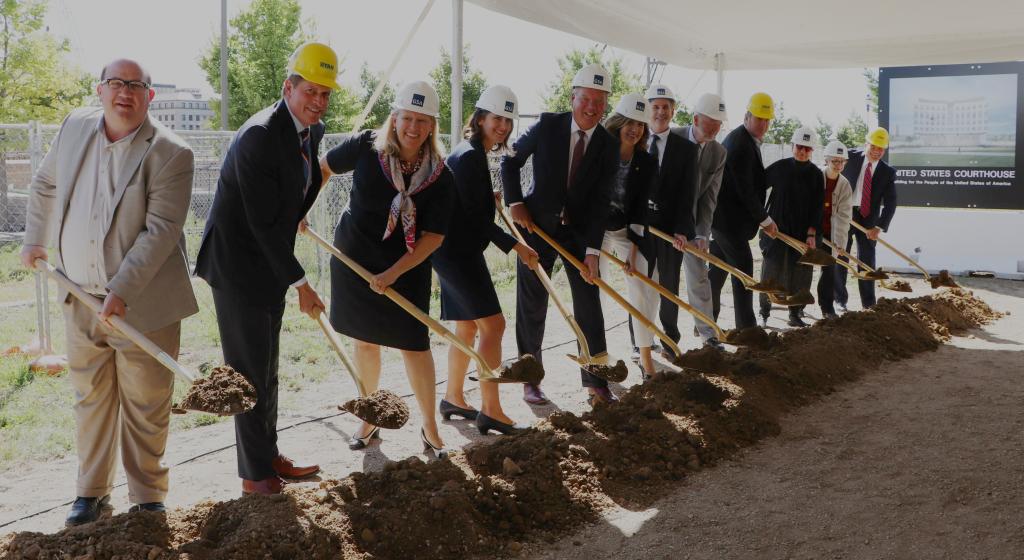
(467, 292)
(398, 213)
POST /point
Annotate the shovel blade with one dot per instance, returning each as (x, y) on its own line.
(615, 374)
(524, 369)
(816, 257)
(380, 408)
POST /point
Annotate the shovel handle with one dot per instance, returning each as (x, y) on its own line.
(747, 279)
(482, 367)
(603, 286)
(122, 326)
(336, 344)
(670, 296)
(585, 356)
(852, 260)
(789, 240)
(894, 250)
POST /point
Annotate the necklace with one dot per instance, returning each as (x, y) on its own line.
(410, 168)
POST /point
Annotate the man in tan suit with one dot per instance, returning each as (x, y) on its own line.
(112, 195)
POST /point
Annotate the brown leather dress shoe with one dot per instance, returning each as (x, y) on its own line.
(286, 468)
(272, 485)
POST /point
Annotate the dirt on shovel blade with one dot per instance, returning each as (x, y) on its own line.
(898, 286)
(943, 279)
(876, 275)
(380, 408)
(816, 257)
(615, 374)
(769, 286)
(525, 369)
(755, 337)
(707, 359)
(224, 392)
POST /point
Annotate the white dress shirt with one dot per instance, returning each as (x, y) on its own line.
(858, 189)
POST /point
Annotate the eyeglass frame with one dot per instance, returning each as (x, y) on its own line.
(135, 86)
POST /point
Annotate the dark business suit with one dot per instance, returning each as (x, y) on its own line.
(574, 215)
(247, 257)
(883, 207)
(738, 215)
(672, 211)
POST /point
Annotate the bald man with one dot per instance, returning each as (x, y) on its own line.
(115, 189)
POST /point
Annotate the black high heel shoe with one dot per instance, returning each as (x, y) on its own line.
(439, 452)
(448, 409)
(357, 443)
(484, 424)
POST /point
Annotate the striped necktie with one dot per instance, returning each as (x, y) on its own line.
(306, 169)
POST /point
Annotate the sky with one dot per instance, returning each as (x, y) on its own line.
(169, 37)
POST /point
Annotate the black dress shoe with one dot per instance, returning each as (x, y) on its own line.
(357, 443)
(842, 307)
(796, 321)
(87, 510)
(148, 506)
(829, 315)
(713, 342)
(448, 409)
(485, 424)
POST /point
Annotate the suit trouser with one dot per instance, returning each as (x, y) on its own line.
(735, 250)
(532, 301)
(780, 264)
(639, 295)
(698, 292)
(121, 393)
(250, 338)
(866, 254)
(827, 284)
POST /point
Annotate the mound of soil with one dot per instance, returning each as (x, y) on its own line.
(224, 392)
(943, 279)
(525, 369)
(898, 286)
(705, 359)
(750, 336)
(380, 408)
(545, 481)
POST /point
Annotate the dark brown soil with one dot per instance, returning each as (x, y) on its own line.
(770, 285)
(525, 369)
(750, 336)
(706, 359)
(224, 392)
(615, 374)
(943, 279)
(816, 257)
(380, 408)
(803, 297)
(876, 274)
(545, 481)
(898, 286)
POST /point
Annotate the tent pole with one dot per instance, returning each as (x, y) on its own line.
(720, 70)
(456, 80)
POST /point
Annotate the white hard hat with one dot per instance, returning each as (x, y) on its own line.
(711, 106)
(634, 106)
(499, 100)
(419, 97)
(593, 76)
(660, 91)
(837, 149)
(804, 136)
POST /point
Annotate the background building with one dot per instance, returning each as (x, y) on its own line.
(181, 108)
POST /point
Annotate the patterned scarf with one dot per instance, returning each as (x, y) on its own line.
(402, 206)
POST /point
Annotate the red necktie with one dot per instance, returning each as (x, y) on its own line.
(865, 197)
(577, 156)
(304, 149)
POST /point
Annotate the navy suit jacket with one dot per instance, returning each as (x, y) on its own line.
(741, 201)
(249, 240)
(586, 201)
(474, 227)
(675, 189)
(883, 191)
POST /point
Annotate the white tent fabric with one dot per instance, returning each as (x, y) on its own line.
(789, 33)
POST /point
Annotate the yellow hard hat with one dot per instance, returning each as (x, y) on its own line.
(878, 137)
(317, 63)
(761, 106)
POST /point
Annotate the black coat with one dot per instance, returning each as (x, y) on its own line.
(675, 189)
(640, 187)
(473, 226)
(585, 201)
(797, 199)
(741, 200)
(249, 241)
(883, 190)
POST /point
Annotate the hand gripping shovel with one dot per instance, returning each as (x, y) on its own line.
(381, 408)
(225, 392)
(748, 281)
(943, 278)
(524, 370)
(585, 360)
(808, 255)
(604, 287)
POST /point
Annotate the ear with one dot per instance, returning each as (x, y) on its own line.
(152, 93)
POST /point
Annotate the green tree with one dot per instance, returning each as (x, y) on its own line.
(825, 131)
(260, 40)
(559, 91)
(36, 83)
(684, 116)
(782, 127)
(473, 84)
(853, 131)
(382, 107)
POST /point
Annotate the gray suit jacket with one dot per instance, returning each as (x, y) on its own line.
(144, 247)
(709, 181)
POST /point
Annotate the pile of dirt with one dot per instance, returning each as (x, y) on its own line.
(898, 286)
(707, 359)
(545, 481)
(380, 408)
(943, 279)
(525, 369)
(224, 392)
(750, 336)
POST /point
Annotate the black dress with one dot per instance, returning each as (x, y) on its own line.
(467, 292)
(356, 310)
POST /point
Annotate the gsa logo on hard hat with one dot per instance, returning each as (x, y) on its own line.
(721, 107)
(661, 91)
(510, 107)
(641, 106)
(807, 137)
(598, 80)
(418, 99)
(840, 151)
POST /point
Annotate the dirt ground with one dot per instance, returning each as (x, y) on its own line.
(928, 444)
